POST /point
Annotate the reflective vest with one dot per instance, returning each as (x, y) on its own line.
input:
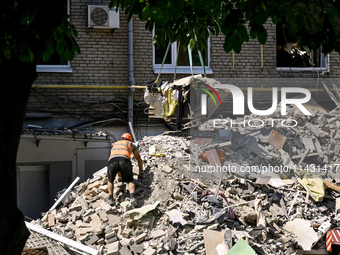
(121, 148)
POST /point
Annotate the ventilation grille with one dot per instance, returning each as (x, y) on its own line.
(99, 16)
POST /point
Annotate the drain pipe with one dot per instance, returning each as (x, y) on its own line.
(131, 76)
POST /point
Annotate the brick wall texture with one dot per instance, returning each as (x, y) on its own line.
(104, 61)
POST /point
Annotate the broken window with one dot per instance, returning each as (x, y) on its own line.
(289, 54)
(183, 64)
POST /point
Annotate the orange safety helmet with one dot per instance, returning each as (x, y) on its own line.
(127, 136)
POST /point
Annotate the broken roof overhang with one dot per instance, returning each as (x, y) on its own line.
(65, 138)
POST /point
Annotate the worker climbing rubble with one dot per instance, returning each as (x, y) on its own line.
(120, 162)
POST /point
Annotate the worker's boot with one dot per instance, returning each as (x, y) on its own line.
(134, 202)
(110, 201)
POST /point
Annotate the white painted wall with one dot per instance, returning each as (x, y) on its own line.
(60, 150)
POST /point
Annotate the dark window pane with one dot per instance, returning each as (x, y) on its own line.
(183, 58)
(160, 53)
(56, 59)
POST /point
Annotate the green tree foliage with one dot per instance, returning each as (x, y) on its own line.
(311, 22)
(18, 33)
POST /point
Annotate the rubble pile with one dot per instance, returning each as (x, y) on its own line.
(182, 211)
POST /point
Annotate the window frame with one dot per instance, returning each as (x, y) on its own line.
(57, 68)
(323, 68)
(170, 68)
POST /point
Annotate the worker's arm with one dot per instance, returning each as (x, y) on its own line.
(140, 162)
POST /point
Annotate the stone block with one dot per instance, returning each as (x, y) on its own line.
(149, 251)
(76, 208)
(95, 220)
(127, 232)
(102, 215)
(95, 184)
(92, 240)
(111, 237)
(113, 248)
(104, 195)
(157, 233)
(84, 238)
(113, 219)
(138, 248)
(127, 250)
(139, 238)
(166, 169)
(103, 188)
(146, 222)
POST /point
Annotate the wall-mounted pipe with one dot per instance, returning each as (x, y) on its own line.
(131, 74)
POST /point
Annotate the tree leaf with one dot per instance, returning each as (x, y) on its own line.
(171, 35)
(74, 31)
(7, 53)
(228, 44)
(242, 33)
(236, 43)
(276, 19)
(262, 35)
(226, 30)
(147, 13)
(75, 46)
(253, 33)
(333, 16)
(260, 14)
(61, 44)
(192, 44)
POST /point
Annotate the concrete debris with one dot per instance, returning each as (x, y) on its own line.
(305, 234)
(265, 211)
(211, 240)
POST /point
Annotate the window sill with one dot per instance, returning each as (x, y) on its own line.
(56, 69)
(301, 69)
(183, 70)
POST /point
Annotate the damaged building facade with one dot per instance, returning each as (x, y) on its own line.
(77, 108)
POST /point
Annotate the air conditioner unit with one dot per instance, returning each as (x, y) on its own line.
(103, 17)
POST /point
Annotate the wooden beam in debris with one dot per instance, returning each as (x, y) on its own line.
(332, 186)
(59, 238)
